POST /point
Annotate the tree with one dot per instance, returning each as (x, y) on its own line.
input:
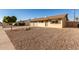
(9, 20)
(6, 19)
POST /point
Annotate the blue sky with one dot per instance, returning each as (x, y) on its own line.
(24, 14)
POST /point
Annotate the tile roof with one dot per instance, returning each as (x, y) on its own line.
(57, 17)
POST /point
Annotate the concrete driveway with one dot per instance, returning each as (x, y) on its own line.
(5, 43)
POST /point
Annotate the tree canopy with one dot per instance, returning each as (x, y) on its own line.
(8, 19)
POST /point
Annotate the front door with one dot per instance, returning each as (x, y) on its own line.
(46, 24)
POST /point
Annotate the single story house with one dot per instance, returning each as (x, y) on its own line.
(58, 21)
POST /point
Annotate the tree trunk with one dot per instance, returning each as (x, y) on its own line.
(11, 27)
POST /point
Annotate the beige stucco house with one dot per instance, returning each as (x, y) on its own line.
(58, 21)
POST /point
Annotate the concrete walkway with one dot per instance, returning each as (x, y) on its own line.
(5, 43)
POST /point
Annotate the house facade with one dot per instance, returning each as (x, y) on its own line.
(58, 21)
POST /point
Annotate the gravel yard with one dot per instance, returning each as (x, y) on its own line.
(45, 39)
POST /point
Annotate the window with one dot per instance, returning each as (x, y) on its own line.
(41, 21)
(55, 21)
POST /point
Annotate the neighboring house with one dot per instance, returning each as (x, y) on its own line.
(23, 23)
(27, 22)
(74, 24)
(58, 21)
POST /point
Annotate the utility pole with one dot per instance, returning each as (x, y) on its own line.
(74, 14)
